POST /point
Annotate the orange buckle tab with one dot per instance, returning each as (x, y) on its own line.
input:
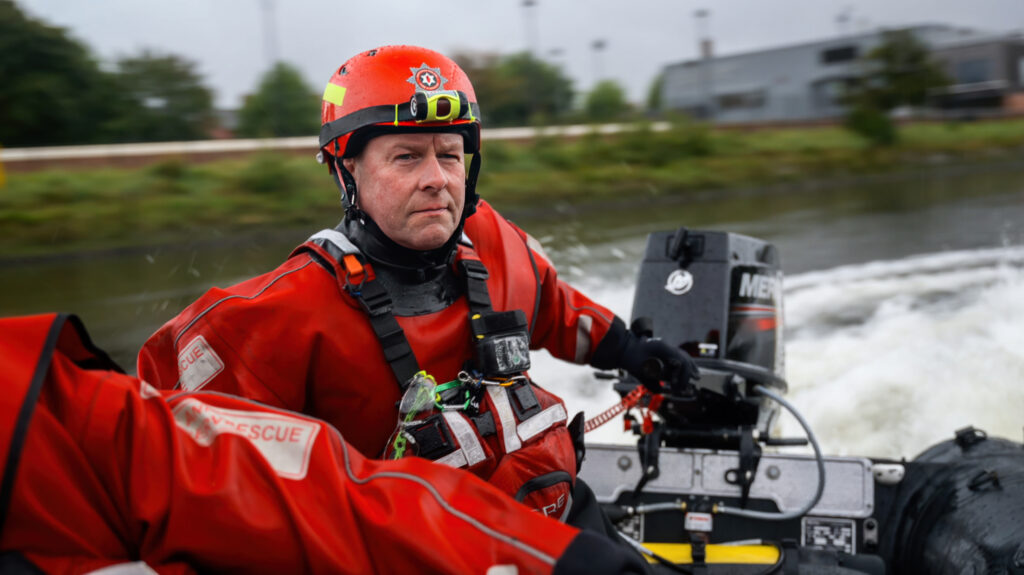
(352, 265)
(355, 273)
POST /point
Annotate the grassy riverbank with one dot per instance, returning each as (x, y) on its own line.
(75, 210)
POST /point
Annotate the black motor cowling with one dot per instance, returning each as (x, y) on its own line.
(718, 296)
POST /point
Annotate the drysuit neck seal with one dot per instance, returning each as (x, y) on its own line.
(382, 250)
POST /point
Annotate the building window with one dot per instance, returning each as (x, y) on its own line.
(741, 100)
(840, 54)
(832, 93)
(973, 71)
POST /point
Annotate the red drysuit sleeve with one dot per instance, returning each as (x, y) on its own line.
(569, 324)
(113, 470)
(231, 340)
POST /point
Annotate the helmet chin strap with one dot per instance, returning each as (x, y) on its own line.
(347, 186)
(471, 196)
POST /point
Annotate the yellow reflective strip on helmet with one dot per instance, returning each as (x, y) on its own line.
(334, 94)
(736, 554)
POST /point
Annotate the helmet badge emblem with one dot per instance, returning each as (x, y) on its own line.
(427, 79)
(679, 282)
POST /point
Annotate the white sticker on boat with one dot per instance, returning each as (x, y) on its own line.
(285, 442)
(698, 522)
(198, 364)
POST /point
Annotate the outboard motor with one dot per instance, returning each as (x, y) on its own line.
(718, 296)
(698, 478)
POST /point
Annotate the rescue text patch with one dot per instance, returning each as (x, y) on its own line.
(198, 364)
(285, 442)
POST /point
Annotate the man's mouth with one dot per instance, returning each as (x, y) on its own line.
(432, 210)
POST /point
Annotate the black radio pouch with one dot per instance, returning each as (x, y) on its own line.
(502, 342)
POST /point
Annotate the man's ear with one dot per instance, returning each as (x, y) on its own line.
(350, 165)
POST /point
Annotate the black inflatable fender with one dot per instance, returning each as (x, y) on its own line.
(959, 509)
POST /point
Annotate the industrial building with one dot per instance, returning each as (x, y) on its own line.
(806, 81)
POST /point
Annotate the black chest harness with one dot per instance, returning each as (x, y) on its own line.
(501, 351)
(491, 396)
(501, 339)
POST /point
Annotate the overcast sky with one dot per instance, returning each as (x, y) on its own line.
(231, 44)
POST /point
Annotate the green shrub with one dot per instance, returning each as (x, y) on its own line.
(172, 169)
(550, 152)
(872, 124)
(643, 146)
(268, 175)
(497, 155)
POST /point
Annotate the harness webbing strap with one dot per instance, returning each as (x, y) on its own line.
(375, 300)
(476, 286)
(397, 351)
(371, 294)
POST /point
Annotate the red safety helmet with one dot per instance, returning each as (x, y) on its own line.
(396, 89)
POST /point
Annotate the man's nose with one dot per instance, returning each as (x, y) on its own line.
(433, 176)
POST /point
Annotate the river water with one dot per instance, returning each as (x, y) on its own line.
(904, 297)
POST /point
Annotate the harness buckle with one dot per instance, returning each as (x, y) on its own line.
(474, 270)
(432, 437)
(374, 298)
(354, 269)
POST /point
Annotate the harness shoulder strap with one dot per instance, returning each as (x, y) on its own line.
(397, 351)
(335, 242)
(360, 283)
(475, 275)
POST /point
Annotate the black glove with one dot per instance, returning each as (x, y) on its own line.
(651, 361)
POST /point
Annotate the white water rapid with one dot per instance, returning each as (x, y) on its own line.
(883, 358)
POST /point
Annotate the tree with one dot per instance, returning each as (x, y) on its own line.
(517, 89)
(162, 98)
(654, 102)
(900, 72)
(606, 102)
(51, 89)
(283, 105)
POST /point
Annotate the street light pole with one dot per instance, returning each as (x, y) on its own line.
(707, 84)
(269, 33)
(843, 21)
(270, 44)
(598, 46)
(530, 17)
(533, 60)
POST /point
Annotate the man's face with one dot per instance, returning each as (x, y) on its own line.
(412, 185)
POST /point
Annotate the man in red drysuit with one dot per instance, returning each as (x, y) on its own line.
(420, 276)
(99, 468)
